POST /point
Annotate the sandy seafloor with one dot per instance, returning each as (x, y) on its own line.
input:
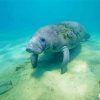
(80, 82)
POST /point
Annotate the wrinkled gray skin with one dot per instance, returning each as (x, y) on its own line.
(58, 37)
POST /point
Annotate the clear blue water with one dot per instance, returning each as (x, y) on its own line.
(19, 19)
(31, 14)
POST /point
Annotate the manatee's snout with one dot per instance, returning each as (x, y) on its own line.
(29, 49)
(36, 45)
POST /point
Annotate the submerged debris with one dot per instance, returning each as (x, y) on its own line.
(18, 68)
(21, 66)
(5, 86)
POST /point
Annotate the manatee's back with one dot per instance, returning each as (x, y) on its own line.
(64, 33)
(77, 29)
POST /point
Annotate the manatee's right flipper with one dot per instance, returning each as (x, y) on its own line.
(65, 51)
(34, 60)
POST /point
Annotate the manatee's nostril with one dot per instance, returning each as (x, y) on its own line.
(28, 50)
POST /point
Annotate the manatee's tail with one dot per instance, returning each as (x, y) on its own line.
(87, 36)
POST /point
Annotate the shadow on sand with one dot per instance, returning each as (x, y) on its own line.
(51, 62)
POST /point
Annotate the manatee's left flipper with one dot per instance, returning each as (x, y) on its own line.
(34, 60)
(65, 52)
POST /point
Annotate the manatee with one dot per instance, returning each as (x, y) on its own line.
(58, 37)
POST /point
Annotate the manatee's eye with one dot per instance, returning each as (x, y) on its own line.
(42, 39)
